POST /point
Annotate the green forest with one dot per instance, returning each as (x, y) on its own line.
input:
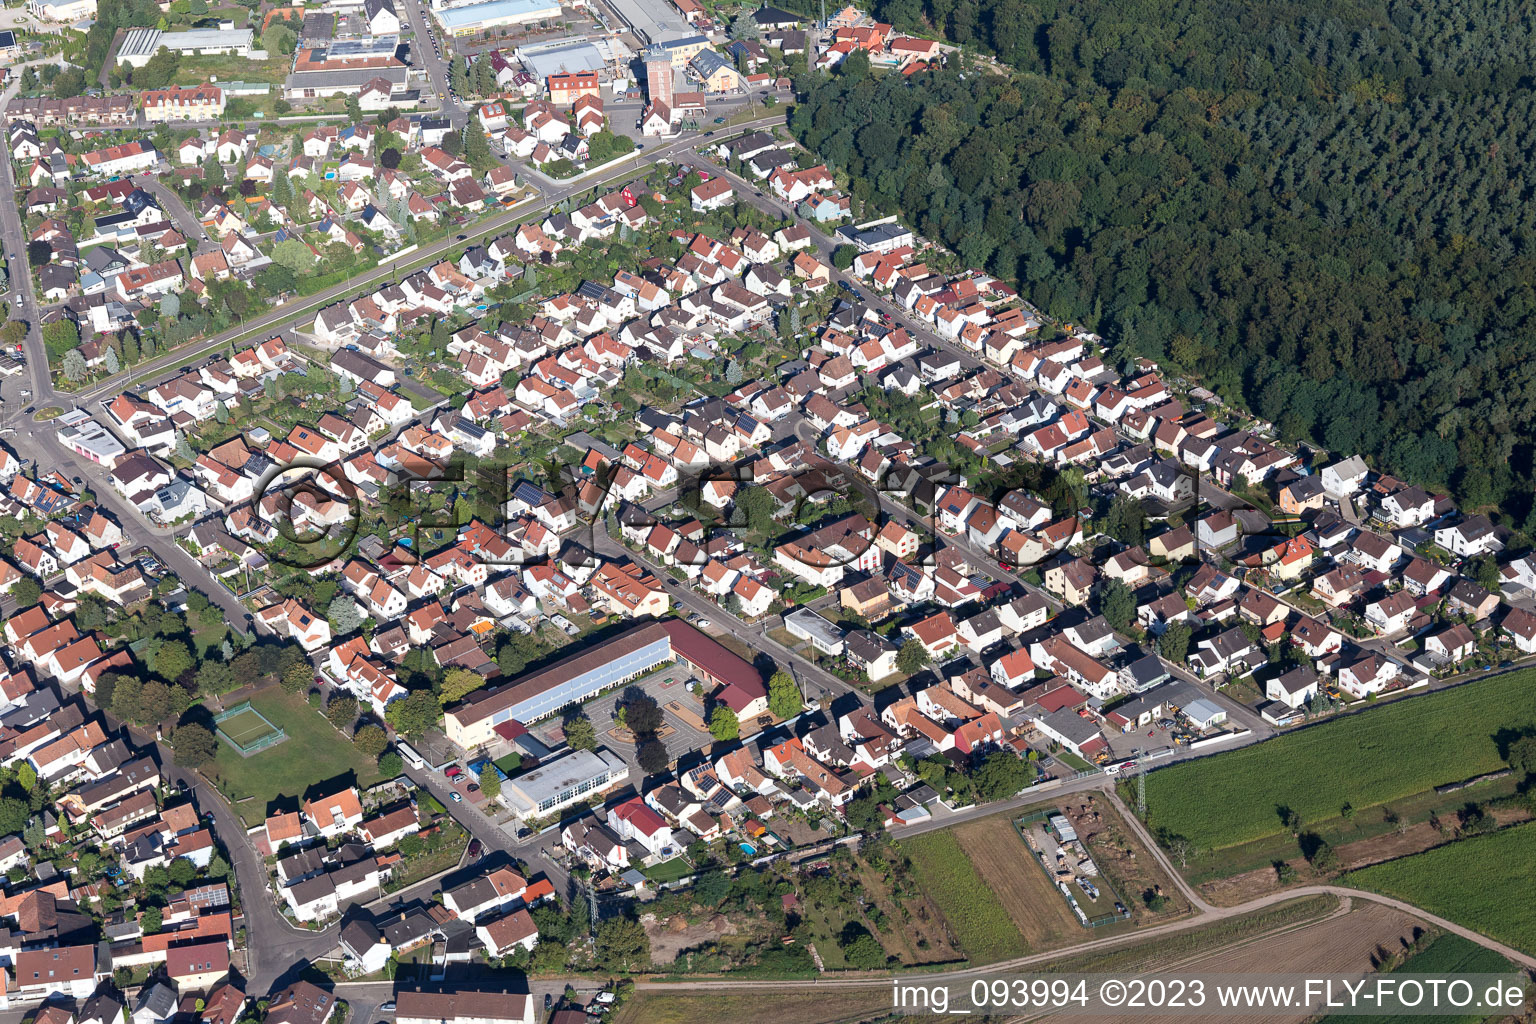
(1322, 211)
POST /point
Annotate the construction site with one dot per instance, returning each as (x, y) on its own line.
(1066, 862)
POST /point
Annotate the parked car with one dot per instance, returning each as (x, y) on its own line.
(457, 798)
(474, 848)
(453, 770)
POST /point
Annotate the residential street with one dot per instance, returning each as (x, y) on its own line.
(430, 60)
(185, 220)
(534, 851)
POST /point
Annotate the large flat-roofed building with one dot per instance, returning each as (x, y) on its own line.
(346, 67)
(584, 675)
(62, 10)
(314, 84)
(652, 20)
(564, 57)
(685, 49)
(489, 715)
(140, 44)
(468, 20)
(825, 636)
(882, 237)
(564, 781)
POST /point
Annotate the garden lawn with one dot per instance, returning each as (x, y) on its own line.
(1483, 883)
(669, 871)
(314, 752)
(1366, 759)
(979, 923)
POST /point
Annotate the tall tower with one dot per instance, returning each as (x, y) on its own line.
(658, 76)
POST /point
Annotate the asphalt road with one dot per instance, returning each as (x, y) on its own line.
(40, 442)
(814, 681)
(1217, 497)
(433, 63)
(186, 222)
(532, 852)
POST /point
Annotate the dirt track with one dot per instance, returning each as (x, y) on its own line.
(1207, 915)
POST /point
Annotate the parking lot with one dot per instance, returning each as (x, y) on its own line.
(683, 725)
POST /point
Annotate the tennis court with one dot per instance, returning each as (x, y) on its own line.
(247, 730)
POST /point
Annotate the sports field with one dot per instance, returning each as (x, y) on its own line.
(280, 776)
(1366, 759)
(246, 728)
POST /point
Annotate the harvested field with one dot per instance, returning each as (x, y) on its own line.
(1192, 943)
(829, 1005)
(1008, 868)
(1339, 945)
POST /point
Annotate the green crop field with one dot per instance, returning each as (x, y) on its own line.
(1446, 954)
(1483, 883)
(978, 921)
(1367, 759)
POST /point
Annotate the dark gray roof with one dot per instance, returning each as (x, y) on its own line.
(766, 15)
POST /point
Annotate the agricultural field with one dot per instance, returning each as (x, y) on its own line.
(830, 1004)
(1196, 941)
(1008, 868)
(979, 923)
(1483, 883)
(1341, 943)
(1365, 760)
(1445, 954)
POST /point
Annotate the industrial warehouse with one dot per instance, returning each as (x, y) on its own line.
(625, 657)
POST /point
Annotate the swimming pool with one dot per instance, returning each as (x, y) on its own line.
(749, 849)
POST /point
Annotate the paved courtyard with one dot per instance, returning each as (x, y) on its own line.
(682, 713)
